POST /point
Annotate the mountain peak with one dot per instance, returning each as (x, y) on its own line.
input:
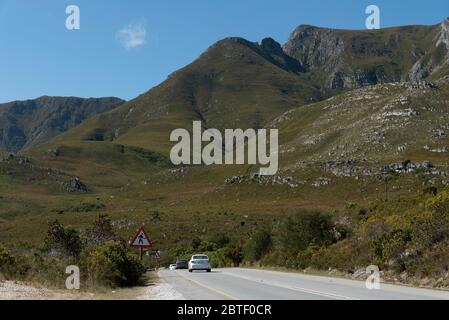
(270, 45)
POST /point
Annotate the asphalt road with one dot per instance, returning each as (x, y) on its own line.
(250, 284)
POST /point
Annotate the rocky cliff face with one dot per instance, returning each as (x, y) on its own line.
(32, 122)
(435, 59)
(354, 59)
(443, 35)
(315, 48)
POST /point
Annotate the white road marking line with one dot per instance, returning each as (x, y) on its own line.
(295, 288)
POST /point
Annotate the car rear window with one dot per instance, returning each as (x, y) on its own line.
(200, 257)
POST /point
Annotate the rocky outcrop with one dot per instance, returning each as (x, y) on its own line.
(358, 58)
(274, 53)
(443, 35)
(75, 185)
(264, 180)
(315, 48)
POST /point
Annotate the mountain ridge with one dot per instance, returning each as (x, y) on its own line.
(31, 122)
(355, 58)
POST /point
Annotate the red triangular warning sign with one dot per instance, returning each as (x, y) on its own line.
(141, 240)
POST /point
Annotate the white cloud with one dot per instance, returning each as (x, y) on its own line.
(132, 36)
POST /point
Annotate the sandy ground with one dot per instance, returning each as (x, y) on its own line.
(11, 290)
(161, 291)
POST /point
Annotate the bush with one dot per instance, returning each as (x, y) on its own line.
(258, 244)
(100, 233)
(220, 258)
(7, 262)
(63, 238)
(207, 246)
(389, 247)
(345, 255)
(439, 203)
(296, 233)
(12, 266)
(219, 239)
(111, 265)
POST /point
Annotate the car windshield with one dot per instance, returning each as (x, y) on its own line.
(200, 258)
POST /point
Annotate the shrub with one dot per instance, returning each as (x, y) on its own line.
(220, 258)
(439, 203)
(345, 255)
(235, 253)
(350, 205)
(111, 265)
(388, 248)
(46, 270)
(258, 244)
(100, 233)
(196, 242)
(207, 246)
(63, 238)
(12, 266)
(7, 262)
(297, 232)
(219, 239)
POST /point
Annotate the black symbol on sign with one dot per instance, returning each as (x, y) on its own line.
(141, 238)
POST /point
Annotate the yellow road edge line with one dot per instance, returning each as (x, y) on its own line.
(209, 288)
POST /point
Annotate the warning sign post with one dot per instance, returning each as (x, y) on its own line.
(141, 241)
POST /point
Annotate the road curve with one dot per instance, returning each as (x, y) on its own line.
(251, 284)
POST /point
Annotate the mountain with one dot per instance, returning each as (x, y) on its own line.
(356, 58)
(234, 84)
(241, 84)
(24, 124)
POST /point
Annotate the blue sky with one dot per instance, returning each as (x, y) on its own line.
(39, 56)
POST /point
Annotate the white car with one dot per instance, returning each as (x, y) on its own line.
(172, 267)
(199, 262)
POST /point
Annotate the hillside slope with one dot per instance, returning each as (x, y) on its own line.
(381, 123)
(24, 124)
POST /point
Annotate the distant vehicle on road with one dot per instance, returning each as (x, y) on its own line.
(172, 267)
(199, 262)
(182, 264)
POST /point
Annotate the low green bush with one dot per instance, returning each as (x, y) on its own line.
(13, 266)
(258, 244)
(7, 262)
(63, 239)
(296, 233)
(111, 265)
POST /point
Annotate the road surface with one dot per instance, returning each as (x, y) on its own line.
(251, 284)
